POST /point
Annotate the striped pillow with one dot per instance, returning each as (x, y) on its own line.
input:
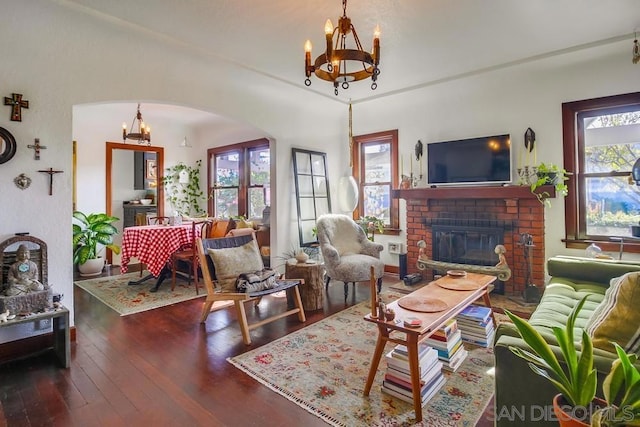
(617, 318)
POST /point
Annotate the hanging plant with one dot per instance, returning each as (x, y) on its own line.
(184, 195)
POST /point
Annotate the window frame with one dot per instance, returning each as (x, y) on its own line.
(358, 167)
(573, 152)
(244, 172)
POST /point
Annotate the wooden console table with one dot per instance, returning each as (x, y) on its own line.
(61, 335)
(456, 300)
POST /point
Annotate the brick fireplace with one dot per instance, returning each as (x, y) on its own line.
(510, 210)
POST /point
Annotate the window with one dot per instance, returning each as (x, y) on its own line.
(375, 168)
(601, 144)
(239, 177)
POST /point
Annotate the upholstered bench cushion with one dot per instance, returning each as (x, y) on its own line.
(559, 298)
(356, 266)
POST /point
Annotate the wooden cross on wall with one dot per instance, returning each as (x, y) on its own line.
(36, 148)
(51, 172)
(17, 104)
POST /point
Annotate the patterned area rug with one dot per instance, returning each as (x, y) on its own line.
(114, 292)
(323, 368)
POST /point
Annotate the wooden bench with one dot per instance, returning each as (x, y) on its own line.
(214, 294)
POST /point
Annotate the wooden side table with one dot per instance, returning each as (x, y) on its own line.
(312, 292)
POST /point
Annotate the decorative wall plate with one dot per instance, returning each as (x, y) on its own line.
(7, 146)
(22, 181)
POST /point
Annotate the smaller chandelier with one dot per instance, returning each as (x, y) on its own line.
(636, 50)
(340, 64)
(143, 131)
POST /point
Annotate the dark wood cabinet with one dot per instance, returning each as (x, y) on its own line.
(130, 212)
(144, 173)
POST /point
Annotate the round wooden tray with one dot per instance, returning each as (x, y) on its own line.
(458, 284)
(424, 305)
(457, 273)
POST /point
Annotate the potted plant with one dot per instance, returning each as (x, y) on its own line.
(182, 187)
(577, 382)
(89, 232)
(371, 224)
(621, 390)
(550, 174)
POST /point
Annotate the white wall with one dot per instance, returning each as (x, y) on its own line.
(59, 58)
(62, 58)
(504, 101)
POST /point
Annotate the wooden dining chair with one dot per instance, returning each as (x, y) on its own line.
(158, 220)
(189, 254)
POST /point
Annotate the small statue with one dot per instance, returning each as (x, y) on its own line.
(381, 308)
(422, 252)
(389, 314)
(502, 260)
(23, 274)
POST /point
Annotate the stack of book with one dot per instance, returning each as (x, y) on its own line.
(476, 324)
(447, 341)
(397, 379)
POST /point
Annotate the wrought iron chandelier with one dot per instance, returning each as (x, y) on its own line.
(636, 50)
(340, 64)
(143, 133)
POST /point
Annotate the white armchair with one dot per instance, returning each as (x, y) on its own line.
(348, 254)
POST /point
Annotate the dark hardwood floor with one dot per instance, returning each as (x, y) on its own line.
(159, 367)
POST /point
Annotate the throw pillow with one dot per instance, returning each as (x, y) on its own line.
(231, 262)
(617, 318)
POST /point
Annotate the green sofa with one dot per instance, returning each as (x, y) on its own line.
(523, 398)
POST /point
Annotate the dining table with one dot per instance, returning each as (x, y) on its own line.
(153, 246)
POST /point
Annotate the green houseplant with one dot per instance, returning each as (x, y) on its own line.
(91, 234)
(577, 382)
(550, 174)
(621, 390)
(182, 187)
(371, 224)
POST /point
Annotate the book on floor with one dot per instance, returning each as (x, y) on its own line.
(425, 361)
(400, 351)
(456, 360)
(429, 392)
(478, 340)
(404, 379)
(475, 312)
(425, 371)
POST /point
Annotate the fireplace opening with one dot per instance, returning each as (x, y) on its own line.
(468, 241)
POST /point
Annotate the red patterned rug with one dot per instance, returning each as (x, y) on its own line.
(323, 368)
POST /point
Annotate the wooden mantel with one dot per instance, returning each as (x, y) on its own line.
(471, 192)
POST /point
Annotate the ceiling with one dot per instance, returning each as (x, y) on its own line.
(423, 42)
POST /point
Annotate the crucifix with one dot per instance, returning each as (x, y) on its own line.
(51, 172)
(36, 148)
(17, 104)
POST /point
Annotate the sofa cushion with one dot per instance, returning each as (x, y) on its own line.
(617, 318)
(231, 262)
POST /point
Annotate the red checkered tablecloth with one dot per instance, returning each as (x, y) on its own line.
(153, 244)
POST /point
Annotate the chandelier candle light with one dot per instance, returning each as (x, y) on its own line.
(335, 65)
(144, 131)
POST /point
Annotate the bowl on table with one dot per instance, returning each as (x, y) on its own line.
(146, 201)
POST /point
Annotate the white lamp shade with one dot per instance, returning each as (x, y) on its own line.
(347, 193)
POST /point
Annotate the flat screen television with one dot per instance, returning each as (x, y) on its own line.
(485, 160)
